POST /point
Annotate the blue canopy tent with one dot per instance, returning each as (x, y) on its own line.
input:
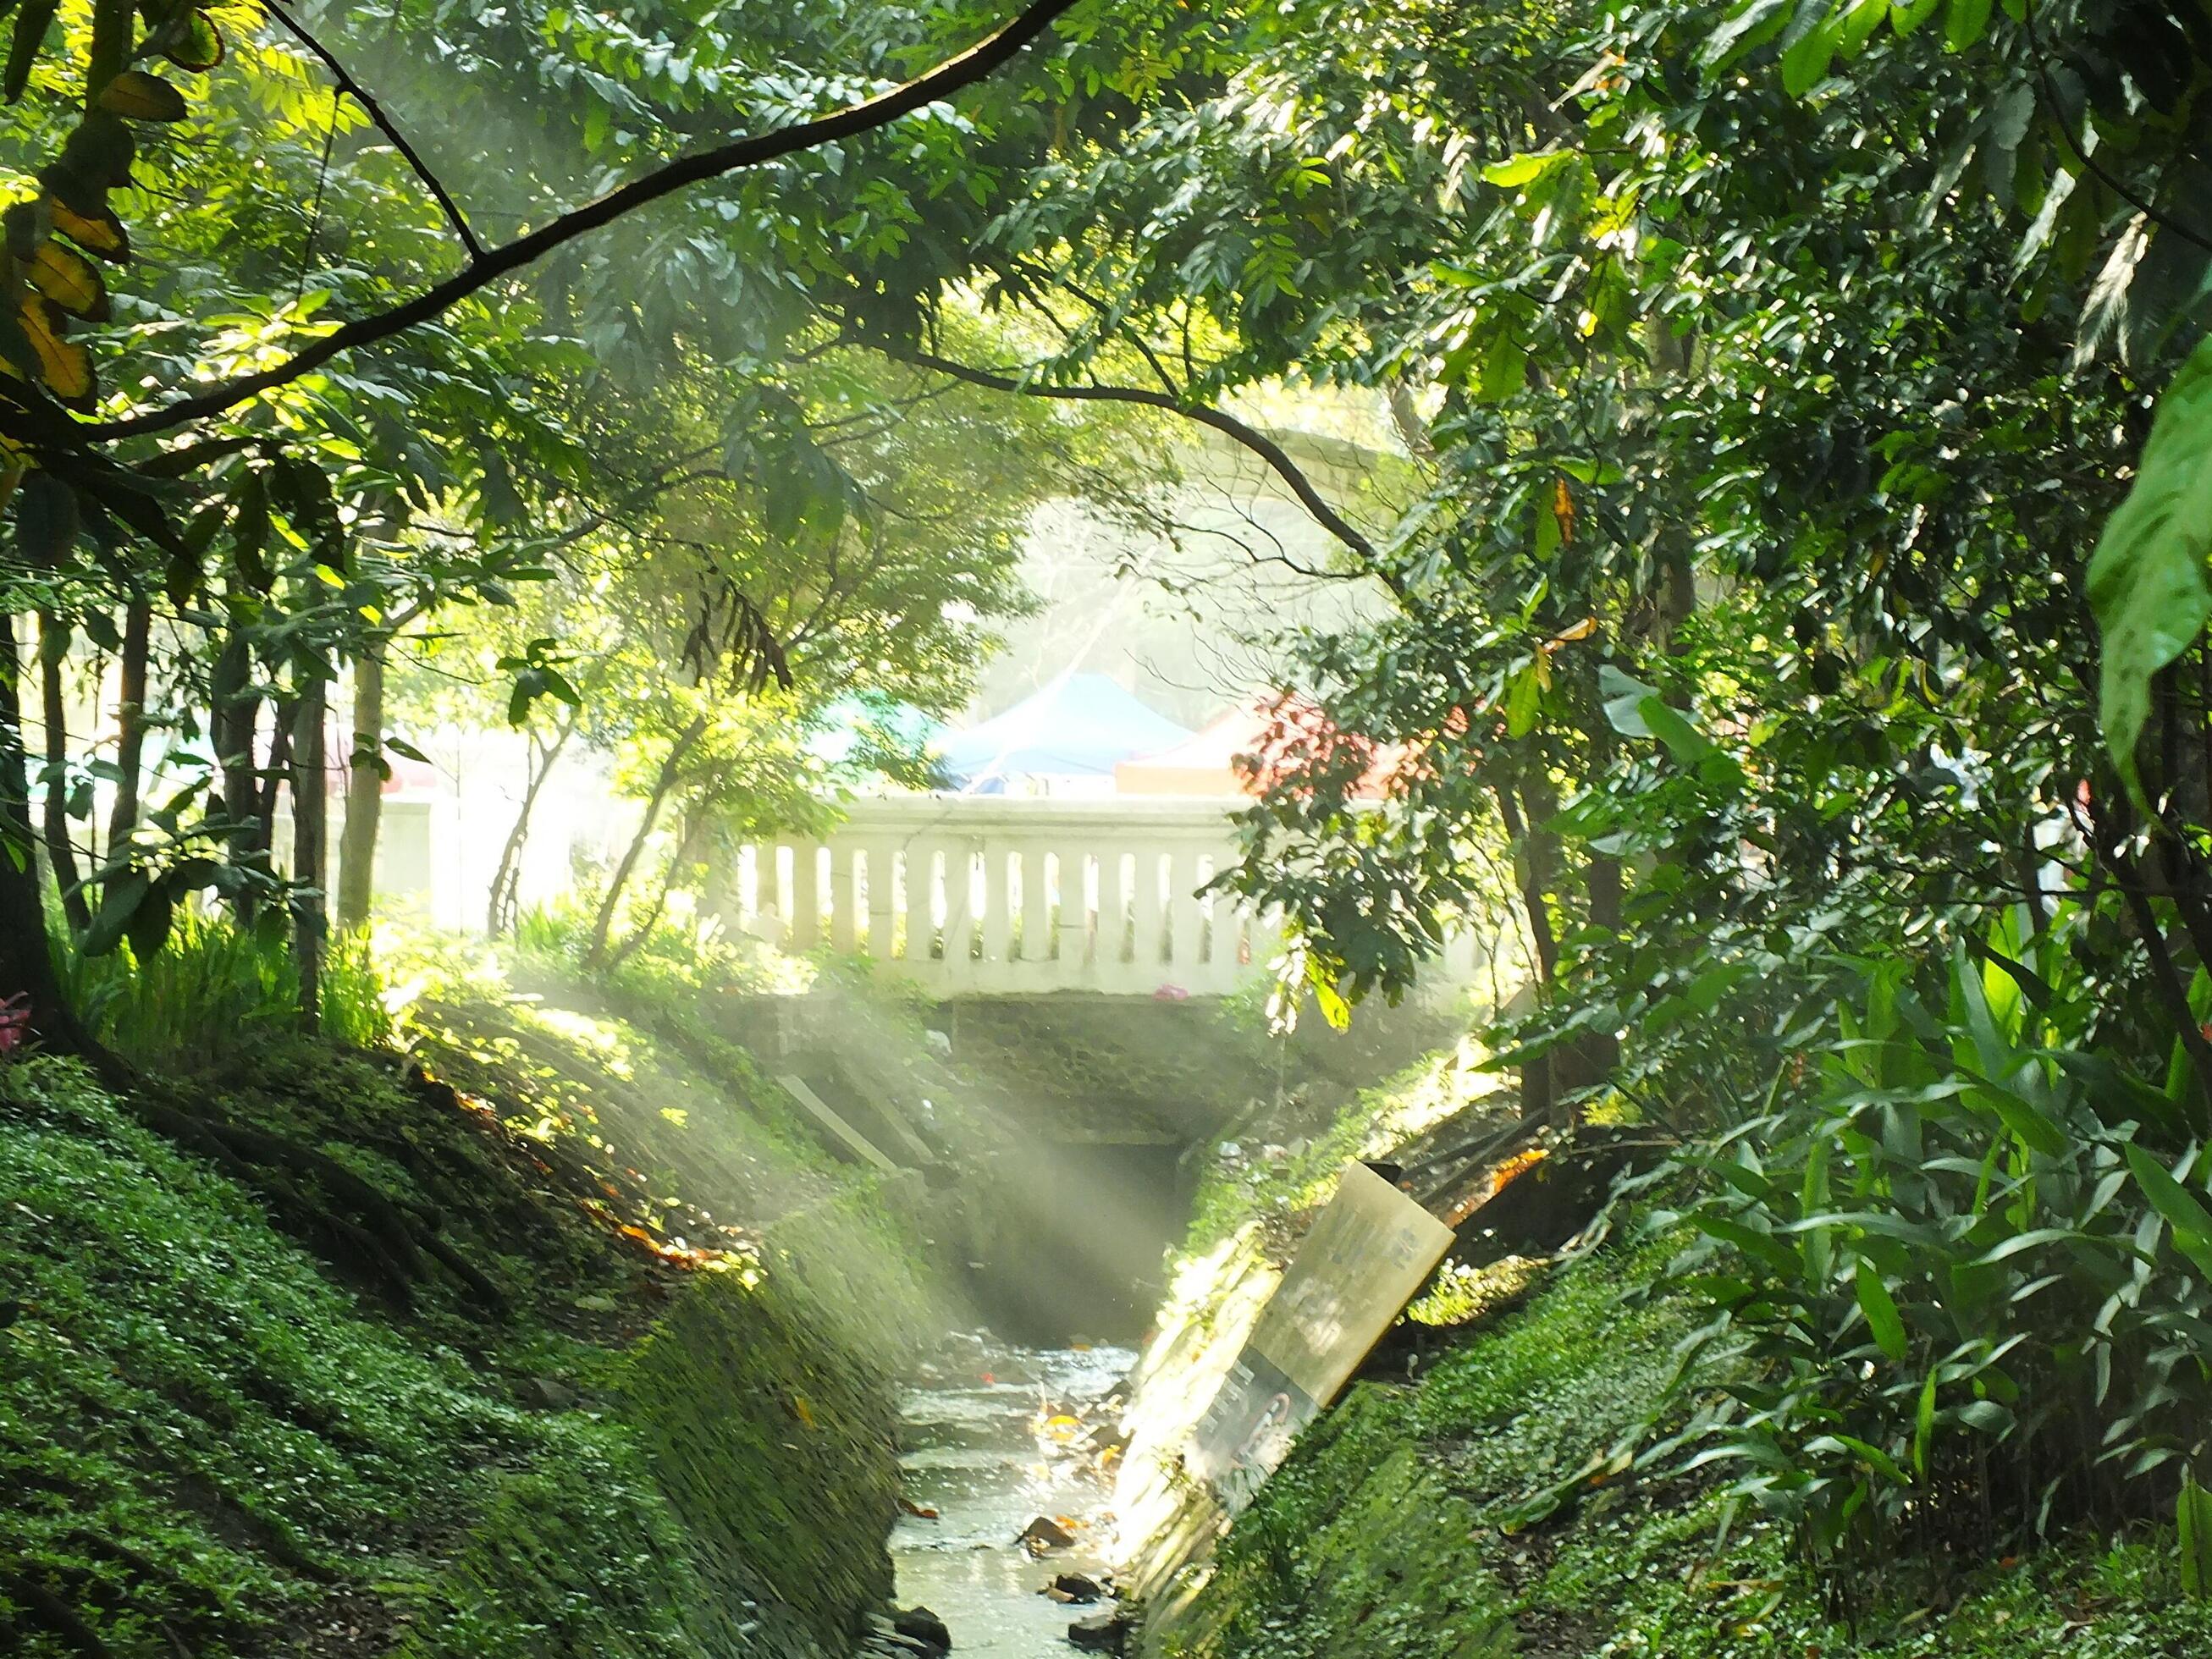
(1078, 727)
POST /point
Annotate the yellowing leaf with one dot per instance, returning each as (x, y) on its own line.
(200, 47)
(64, 365)
(69, 280)
(1581, 630)
(142, 97)
(102, 234)
(1516, 172)
(1563, 509)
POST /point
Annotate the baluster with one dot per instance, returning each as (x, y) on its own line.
(1185, 964)
(805, 927)
(882, 895)
(958, 966)
(1148, 954)
(1109, 972)
(844, 900)
(997, 919)
(921, 904)
(768, 892)
(1036, 908)
(745, 879)
(1071, 918)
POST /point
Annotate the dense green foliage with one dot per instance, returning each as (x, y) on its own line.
(238, 1441)
(1399, 1526)
(1776, 370)
(1806, 584)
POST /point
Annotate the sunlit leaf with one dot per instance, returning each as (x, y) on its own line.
(193, 43)
(2146, 580)
(99, 232)
(70, 280)
(64, 365)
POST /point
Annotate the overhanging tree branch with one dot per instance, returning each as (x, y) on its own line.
(1250, 437)
(2081, 148)
(970, 66)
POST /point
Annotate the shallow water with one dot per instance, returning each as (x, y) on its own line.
(972, 1452)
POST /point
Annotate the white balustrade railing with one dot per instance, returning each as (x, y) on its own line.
(982, 895)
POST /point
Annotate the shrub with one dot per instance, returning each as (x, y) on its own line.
(213, 982)
(1964, 1267)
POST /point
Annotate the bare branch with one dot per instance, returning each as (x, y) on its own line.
(976, 63)
(349, 88)
(1250, 436)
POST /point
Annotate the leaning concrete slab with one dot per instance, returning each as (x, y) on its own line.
(853, 1141)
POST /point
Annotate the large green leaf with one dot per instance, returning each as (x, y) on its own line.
(2146, 582)
(2191, 1224)
(2193, 1516)
(1881, 1310)
(118, 903)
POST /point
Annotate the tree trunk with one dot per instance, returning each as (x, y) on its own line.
(269, 781)
(130, 719)
(309, 816)
(61, 856)
(234, 722)
(685, 857)
(1538, 1094)
(663, 782)
(1529, 873)
(1603, 885)
(639, 933)
(364, 801)
(499, 912)
(30, 990)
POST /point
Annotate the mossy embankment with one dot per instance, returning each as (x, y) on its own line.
(1416, 1520)
(632, 1399)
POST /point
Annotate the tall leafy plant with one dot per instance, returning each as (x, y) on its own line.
(1964, 1264)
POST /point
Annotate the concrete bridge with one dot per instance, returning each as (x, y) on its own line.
(971, 896)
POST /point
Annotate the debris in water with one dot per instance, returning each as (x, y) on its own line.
(920, 1625)
(919, 1511)
(1107, 1633)
(1044, 1534)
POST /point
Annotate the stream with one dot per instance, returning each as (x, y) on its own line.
(995, 1437)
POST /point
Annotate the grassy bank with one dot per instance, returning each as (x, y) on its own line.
(308, 1351)
(1402, 1527)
